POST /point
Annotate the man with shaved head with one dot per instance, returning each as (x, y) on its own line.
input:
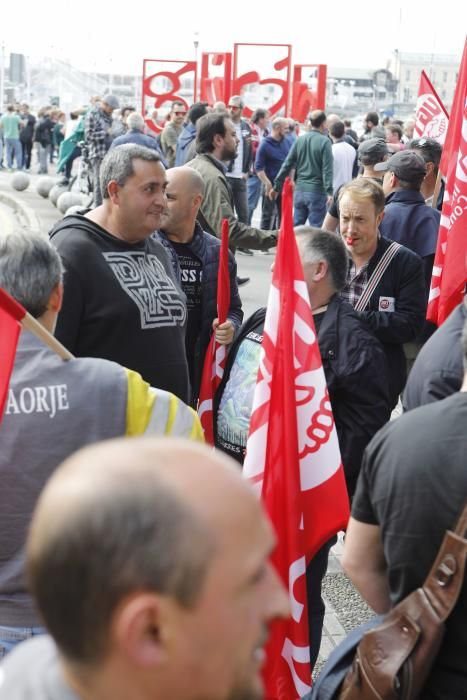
(149, 563)
(195, 258)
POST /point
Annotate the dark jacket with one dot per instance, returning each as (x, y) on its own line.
(247, 148)
(403, 283)
(355, 367)
(27, 132)
(44, 131)
(438, 370)
(270, 156)
(409, 221)
(186, 145)
(207, 249)
(136, 136)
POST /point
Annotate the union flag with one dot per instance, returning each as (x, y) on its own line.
(293, 456)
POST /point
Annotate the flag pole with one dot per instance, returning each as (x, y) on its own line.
(29, 323)
(434, 201)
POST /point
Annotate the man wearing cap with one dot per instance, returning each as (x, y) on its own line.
(370, 152)
(97, 133)
(407, 219)
(430, 150)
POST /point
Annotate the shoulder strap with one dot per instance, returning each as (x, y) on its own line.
(377, 273)
(444, 582)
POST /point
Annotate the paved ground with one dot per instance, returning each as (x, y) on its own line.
(344, 607)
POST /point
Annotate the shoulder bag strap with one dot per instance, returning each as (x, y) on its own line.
(444, 582)
(375, 278)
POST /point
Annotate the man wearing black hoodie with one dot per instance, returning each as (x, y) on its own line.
(121, 299)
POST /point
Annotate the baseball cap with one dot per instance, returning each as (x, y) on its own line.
(112, 101)
(372, 151)
(406, 165)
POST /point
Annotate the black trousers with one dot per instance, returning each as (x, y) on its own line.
(315, 572)
(239, 193)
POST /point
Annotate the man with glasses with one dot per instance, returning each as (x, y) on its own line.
(239, 167)
(172, 131)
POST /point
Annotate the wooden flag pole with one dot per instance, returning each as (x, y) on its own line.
(436, 190)
(31, 324)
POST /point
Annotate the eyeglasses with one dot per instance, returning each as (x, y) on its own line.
(179, 114)
(234, 108)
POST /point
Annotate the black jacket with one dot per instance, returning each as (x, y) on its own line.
(438, 370)
(355, 367)
(402, 282)
(207, 249)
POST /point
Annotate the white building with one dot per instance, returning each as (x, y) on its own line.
(441, 69)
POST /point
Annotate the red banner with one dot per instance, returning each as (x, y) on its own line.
(216, 354)
(216, 77)
(10, 315)
(293, 456)
(450, 266)
(431, 117)
(309, 90)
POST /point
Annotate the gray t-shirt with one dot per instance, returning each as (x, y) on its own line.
(43, 680)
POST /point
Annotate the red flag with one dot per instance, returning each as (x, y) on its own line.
(431, 117)
(450, 266)
(293, 456)
(11, 314)
(214, 360)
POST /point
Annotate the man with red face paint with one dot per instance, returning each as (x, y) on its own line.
(385, 282)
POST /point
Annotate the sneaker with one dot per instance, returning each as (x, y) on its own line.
(245, 251)
(242, 280)
(267, 252)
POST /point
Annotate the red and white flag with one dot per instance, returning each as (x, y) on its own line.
(450, 267)
(214, 361)
(293, 456)
(11, 313)
(431, 117)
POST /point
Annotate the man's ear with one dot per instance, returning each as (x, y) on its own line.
(321, 270)
(137, 630)
(56, 298)
(379, 218)
(113, 190)
(429, 169)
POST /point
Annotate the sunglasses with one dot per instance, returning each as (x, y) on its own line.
(234, 108)
(179, 114)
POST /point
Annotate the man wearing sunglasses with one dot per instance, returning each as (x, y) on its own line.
(172, 131)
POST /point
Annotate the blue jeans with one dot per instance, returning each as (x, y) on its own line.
(311, 206)
(14, 150)
(12, 636)
(254, 192)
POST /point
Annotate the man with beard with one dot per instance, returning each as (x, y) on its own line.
(149, 563)
(216, 144)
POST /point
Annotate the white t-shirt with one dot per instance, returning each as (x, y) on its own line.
(344, 157)
(238, 163)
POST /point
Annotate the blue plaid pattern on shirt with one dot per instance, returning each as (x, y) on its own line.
(356, 283)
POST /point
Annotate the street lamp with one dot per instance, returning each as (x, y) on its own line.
(195, 86)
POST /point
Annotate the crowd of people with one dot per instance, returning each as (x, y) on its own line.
(142, 566)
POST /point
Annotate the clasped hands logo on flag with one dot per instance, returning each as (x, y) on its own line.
(293, 456)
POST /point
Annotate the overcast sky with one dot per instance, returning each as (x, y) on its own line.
(359, 34)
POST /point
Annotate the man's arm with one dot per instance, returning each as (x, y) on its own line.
(330, 223)
(328, 166)
(289, 163)
(217, 206)
(363, 561)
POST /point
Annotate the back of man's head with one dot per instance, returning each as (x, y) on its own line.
(316, 245)
(337, 129)
(207, 128)
(30, 269)
(429, 149)
(373, 118)
(317, 118)
(118, 164)
(135, 122)
(116, 518)
(196, 111)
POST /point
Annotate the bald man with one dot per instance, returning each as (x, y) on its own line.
(149, 562)
(195, 257)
